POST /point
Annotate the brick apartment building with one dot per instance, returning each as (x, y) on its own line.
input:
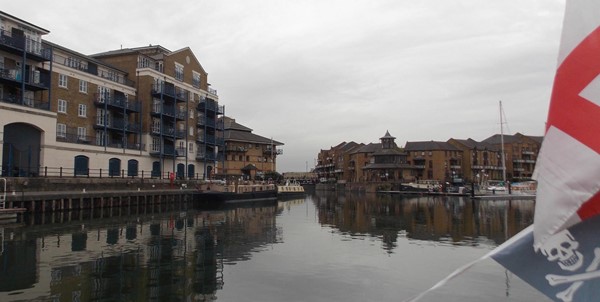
(144, 111)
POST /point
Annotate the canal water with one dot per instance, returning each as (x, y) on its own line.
(325, 247)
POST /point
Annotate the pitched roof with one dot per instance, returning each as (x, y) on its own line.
(370, 148)
(157, 49)
(88, 58)
(240, 133)
(23, 22)
(473, 144)
(429, 146)
(496, 139)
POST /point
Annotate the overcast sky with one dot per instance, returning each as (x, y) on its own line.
(315, 73)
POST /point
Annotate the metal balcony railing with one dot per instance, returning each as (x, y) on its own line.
(21, 43)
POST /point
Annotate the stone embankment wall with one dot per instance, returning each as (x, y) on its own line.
(39, 184)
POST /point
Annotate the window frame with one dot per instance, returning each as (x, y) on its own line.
(82, 110)
(63, 108)
(61, 130)
(83, 86)
(63, 80)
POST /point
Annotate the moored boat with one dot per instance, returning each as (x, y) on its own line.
(291, 189)
(236, 193)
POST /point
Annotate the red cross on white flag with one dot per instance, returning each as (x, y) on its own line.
(568, 166)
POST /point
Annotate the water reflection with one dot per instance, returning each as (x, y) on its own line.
(451, 220)
(178, 256)
(182, 254)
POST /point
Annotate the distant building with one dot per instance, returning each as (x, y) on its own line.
(457, 160)
(389, 163)
(521, 153)
(435, 160)
(248, 155)
(481, 161)
(359, 159)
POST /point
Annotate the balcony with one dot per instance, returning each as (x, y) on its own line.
(169, 111)
(167, 150)
(115, 101)
(28, 102)
(169, 90)
(525, 161)
(208, 139)
(235, 149)
(213, 91)
(34, 81)
(202, 155)
(19, 44)
(269, 150)
(119, 125)
(206, 121)
(210, 105)
(168, 132)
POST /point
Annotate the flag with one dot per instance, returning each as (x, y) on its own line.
(560, 253)
(568, 166)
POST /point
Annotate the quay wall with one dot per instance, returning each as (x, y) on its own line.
(40, 195)
(55, 184)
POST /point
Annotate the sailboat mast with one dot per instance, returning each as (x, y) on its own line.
(502, 145)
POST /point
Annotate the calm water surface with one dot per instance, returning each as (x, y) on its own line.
(325, 247)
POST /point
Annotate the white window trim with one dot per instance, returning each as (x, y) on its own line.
(64, 108)
(83, 86)
(60, 82)
(81, 133)
(61, 130)
(82, 110)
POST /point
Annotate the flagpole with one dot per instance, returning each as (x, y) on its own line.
(502, 146)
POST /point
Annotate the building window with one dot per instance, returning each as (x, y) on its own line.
(62, 106)
(101, 117)
(191, 131)
(179, 71)
(61, 130)
(191, 147)
(62, 80)
(83, 86)
(155, 147)
(82, 111)
(82, 133)
(192, 113)
(196, 79)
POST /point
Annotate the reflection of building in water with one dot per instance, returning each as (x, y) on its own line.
(142, 257)
(18, 258)
(454, 220)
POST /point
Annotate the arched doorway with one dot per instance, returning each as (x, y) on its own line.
(155, 169)
(208, 172)
(82, 165)
(132, 167)
(114, 167)
(21, 150)
(191, 171)
(180, 170)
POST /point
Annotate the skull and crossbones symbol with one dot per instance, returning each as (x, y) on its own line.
(562, 248)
